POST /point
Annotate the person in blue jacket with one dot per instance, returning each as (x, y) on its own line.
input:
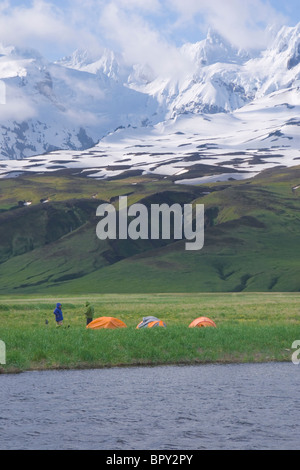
(58, 315)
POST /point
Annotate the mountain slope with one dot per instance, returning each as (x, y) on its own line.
(251, 239)
(251, 244)
(189, 148)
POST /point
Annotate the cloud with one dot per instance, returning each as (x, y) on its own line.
(56, 29)
(139, 40)
(243, 22)
(149, 6)
(144, 31)
(42, 25)
(17, 106)
(148, 31)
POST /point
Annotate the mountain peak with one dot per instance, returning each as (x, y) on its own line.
(214, 49)
(106, 63)
(288, 41)
(78, 59)
(215, 38)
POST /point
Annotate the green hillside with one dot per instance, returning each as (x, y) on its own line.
(251, 237)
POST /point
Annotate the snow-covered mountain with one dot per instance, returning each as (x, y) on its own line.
(49, 107)
(223, 106)
(217, 77)
(223, 78)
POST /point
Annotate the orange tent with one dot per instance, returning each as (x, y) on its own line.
(202, 322)
(150, 322)
(106, 322)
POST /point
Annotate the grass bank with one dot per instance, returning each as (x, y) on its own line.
(250, 328)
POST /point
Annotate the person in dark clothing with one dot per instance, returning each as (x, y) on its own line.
(89, 313)
(58, 315)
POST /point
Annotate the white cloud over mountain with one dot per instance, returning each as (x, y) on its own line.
(133, 25)
(246, 79)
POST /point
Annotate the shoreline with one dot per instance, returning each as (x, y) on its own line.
(13, 371)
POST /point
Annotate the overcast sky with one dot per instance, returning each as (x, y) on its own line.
(142, 30)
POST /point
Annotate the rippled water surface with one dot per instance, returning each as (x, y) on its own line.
(161, 408)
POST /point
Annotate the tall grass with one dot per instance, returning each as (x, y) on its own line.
(249, 329)
(39, 348)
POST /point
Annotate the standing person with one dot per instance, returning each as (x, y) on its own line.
(89, 312)
(58, 315)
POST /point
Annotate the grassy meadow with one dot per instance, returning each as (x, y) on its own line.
(251, 327)
(50, 252)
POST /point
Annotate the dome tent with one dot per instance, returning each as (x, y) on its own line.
(151, 322)
(202, 322)
(107, 323)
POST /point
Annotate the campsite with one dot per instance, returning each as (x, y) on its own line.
(251, 327)
(252, 299)
(149, 227)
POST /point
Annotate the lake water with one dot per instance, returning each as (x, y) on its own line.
(161, 408)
